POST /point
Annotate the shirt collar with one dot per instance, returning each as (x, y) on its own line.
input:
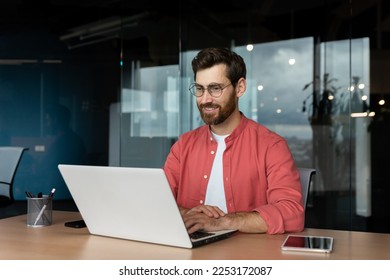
(237, 131)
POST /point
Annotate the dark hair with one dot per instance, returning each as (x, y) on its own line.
(209, 57)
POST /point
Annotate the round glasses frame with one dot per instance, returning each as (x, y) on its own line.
(215, 90)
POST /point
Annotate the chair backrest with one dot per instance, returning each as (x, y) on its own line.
(306, 175)
(9, 161)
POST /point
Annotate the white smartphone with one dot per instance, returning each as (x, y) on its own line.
(308, 243)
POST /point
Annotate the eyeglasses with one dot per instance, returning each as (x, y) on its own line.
(215, 90)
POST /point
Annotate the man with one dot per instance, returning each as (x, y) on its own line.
(232, 173)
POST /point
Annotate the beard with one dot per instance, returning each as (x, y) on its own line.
(223, 112)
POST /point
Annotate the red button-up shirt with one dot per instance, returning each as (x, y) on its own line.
(258, 170)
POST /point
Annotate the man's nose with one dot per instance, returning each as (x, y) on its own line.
(206, 97)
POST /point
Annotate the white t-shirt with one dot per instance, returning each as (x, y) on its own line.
(215, 193)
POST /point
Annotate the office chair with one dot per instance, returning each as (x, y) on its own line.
(306, 176)
(9, 161)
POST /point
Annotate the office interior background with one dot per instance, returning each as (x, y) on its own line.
(317, 75)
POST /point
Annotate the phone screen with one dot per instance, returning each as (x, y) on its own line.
(308, 243)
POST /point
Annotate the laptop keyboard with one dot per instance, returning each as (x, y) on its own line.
(199, 234)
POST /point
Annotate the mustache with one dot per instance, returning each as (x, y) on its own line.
(209, 105)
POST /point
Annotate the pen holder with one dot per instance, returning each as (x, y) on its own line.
(39, 211)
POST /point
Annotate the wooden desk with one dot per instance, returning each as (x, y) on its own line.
(18, 242)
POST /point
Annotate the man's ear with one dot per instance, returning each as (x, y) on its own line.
(241, 87)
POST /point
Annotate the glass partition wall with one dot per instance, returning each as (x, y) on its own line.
(317, 73)
(313, 89)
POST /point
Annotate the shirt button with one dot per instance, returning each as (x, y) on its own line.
(205, 176)
(212, 152)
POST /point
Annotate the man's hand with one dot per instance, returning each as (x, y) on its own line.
(211, 218)
(203, 217)
(210, 211)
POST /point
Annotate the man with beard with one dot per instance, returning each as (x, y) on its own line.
(232, 173)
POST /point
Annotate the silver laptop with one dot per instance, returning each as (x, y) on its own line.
(131, 203)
